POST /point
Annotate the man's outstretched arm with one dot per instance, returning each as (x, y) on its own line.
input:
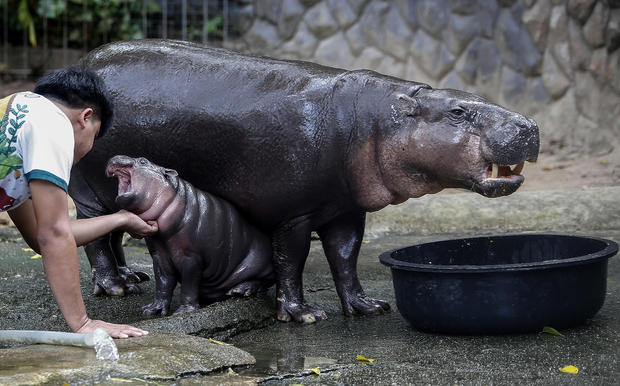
(54, 237)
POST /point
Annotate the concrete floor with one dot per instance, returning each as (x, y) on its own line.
(286, 353)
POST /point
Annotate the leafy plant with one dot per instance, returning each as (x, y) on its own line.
(106, 20)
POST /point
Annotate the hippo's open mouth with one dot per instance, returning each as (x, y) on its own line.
(499, 180)
(123, 173)
(501, 171)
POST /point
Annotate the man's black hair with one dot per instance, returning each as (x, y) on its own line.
(79, 88)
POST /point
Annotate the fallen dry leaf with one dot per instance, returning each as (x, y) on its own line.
(218, 342)
(569, 369)
(552, 331)
(364, 359)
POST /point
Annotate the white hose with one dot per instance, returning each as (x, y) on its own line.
(99, 339)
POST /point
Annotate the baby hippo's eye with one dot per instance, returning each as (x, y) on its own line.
(142, 161)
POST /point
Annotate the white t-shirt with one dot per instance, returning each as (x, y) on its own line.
(36, 142)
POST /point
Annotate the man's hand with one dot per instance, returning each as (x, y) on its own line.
(121, 331)
(137, 227)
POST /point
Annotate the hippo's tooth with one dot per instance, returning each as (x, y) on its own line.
(518, 168)
(494, 170)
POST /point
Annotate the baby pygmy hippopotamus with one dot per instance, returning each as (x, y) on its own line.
(203, 241)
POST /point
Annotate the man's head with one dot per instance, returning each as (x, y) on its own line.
(78, 88)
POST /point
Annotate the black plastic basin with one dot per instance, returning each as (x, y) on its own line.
(500, 284)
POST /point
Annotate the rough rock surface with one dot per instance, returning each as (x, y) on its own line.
(160, 357)
(496, 48)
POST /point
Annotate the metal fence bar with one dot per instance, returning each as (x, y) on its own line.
(184, 20)
(5, 20)
(144, 19)
(45, 47)
(84, 27)
(164, 19)
(25, 52)
(205, 21)
(65, 34)
(225, 21)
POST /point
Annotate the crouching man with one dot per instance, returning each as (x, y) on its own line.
(42, 135)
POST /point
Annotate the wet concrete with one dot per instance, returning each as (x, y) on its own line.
(286, 353)
(405, 356)
(156, 357)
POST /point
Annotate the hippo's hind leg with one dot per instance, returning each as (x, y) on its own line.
(128, 276)
(255, 273)
(250, 287)
(291, 244)
(341, 239)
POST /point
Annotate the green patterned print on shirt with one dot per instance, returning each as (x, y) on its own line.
(10, 124)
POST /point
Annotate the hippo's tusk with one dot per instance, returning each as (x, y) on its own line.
(494, 170)
(518, 168)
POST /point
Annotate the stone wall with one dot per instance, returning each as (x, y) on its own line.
(556, 60)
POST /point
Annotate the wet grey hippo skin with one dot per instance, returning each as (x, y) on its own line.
(203, 243)
(296, 147)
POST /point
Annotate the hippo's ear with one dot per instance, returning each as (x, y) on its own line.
(408, 105)
(171, 172)
(415, 87)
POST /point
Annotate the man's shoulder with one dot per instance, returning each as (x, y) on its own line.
(38, 109)
(32, 100)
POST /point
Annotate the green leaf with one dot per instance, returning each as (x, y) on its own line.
(552, 331)
(4, 171)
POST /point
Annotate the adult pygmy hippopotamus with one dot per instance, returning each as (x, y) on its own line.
(202, 242)
(296, 147)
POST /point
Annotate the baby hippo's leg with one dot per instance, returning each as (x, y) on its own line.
(255, 273)
(165, 281)
(164, 287)
(191, 275)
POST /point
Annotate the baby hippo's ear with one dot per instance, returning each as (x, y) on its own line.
(171, 173)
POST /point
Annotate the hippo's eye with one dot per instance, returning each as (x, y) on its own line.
(458, 112)
(142, 161)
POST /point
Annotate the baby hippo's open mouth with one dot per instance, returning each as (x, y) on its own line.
(123, 175)
(122, 167)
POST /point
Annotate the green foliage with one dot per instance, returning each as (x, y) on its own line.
(107, 20)
(25, 18)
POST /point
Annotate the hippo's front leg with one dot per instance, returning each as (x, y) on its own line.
(291, 244)
(191, 274)
(165, 281)
(341, 239)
